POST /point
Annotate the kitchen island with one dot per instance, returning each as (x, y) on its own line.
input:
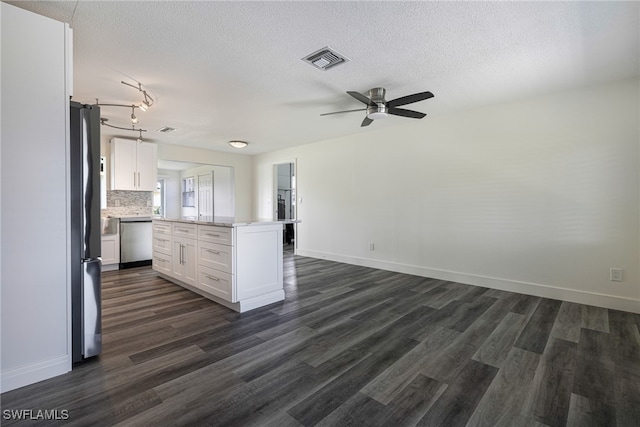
(236, 263)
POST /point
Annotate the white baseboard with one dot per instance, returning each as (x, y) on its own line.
(535, 289)
(261, 300)
(33, 373)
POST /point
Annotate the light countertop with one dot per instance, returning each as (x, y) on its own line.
(230, 221)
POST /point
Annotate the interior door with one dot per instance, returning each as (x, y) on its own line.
(205, 195)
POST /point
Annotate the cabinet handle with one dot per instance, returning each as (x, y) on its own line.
(212, 234)
(181, 254)
(184, 230)
(138, 179)
(211, 251)
(217, 279)
(134, 180)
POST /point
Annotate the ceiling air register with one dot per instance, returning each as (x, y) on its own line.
(325, 58)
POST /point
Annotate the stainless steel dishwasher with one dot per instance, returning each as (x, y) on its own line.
(135, 241)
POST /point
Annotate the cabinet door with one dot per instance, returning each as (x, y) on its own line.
(189, 250)
(110, 249)
(123, 165)
(146, 166)
(184, 263)
(177, 269)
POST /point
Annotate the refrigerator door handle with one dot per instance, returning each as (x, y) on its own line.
(92, 307)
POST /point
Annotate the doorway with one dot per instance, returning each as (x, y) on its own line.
(205, 196)
(285, 202)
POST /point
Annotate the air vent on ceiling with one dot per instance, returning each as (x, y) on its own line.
(325, 58)
(166, 129)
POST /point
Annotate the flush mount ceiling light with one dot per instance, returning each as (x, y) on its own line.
(238, 144)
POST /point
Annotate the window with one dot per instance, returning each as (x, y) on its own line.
(158, 199)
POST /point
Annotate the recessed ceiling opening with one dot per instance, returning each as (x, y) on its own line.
(166, 129)
(325, 58)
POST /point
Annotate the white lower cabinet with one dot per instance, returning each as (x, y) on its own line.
(162, 263)
(217, 283)
(237, 266)
(184, 265)
(110, 250)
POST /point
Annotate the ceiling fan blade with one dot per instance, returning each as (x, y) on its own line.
(366, 122)
(360, 97)
(405, 113)
(345, 111)
(409, 99)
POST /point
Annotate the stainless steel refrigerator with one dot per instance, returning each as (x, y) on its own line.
(86, 265)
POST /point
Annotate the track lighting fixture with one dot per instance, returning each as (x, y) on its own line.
(134, 119)
(144, 106)
(148, 100)
(104, 120)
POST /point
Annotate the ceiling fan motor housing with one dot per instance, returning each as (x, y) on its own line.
(377, 94)
(378, 110)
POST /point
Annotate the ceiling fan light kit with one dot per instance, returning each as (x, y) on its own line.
(379, 108)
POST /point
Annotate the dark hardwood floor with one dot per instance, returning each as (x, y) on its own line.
(349, 346)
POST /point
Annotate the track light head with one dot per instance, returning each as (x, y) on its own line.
(134, 119)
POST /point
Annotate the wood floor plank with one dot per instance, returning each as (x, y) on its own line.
(568, 322)
(596, 318)
(350, 345)
(458, 402)
(321, 403)
(550, 394)
(390, 383)
(584, 412)
(502, 402)
(535, 335)
(496, 348)
(413, 401)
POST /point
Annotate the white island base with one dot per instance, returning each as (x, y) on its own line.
(236, 264)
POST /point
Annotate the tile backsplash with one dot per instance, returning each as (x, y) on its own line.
(125, 203)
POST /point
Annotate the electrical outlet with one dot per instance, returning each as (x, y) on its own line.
(148, 203)
(615, 274)
(372, 247)
(116, 202)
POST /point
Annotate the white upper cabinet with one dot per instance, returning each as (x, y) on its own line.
(133, 165)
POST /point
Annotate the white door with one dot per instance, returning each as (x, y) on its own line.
(205, 195)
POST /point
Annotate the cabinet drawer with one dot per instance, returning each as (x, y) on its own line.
(216, 283)
(162, 243)
(215, 234)
(214, 255)
(161, 227)
(185, 230)
(162, 263)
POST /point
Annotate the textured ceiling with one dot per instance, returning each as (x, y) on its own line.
(232, 70)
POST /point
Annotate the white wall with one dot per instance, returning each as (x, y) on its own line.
(242, 165)
(34, 230)
(540, 196)
(223, 190)
(172, 190)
